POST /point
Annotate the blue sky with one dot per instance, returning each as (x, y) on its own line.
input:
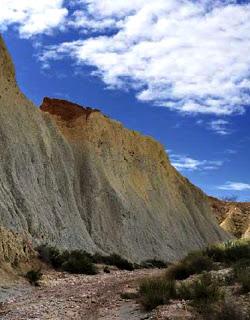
(176, 70)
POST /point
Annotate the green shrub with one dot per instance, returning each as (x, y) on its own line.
(228, 310)
(156, 291)
(244, 279)
(241, 270)
(215, 252)
(184, 290)
(129, 295)
(46, 252)
(98, 258)
(79, 263)
(178, 271)
(112, 260)
(204, 290)
(60, 259)
(194, 263)
(240, 265)
(229, 252)
(64, 259)
(106, 269)
(227, 279)
(52, 256)
(34, 276)
(137, 266)
(76, 261)
(121, 263)
(154, 263)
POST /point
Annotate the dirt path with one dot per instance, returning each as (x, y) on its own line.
(64, 297)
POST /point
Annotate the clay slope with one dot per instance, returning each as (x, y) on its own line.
(74, 178)
(234, 217)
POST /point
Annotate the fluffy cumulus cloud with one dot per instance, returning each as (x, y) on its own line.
(235, 186)
(186, 163)
(32, 17)
(191, 56)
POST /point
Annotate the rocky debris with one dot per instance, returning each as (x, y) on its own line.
(15, 247)
(16, 256)
(116, 295)
(176, 310)
(63, 296)
(10, 292)
(234, 217)
(182, 310)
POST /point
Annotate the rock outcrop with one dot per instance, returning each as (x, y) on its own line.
(234, 217)
(14, 248)
(71, 177)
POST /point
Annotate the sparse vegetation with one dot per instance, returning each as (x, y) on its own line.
(242, 274)
(97, 258)
(34, 276)
(154, 263)
(113, 260)
(229, 252)
(194, 263)
(52, 256)
(77, 262)
(121, 263)
(205, 293)
(80, 260)
(106, 269)
(204, 290)
(129, 295)
(241, 265)
(227, 310)
(243, 278)
(159, 290)
(156, 291)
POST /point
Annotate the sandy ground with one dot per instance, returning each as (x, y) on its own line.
(64, 296)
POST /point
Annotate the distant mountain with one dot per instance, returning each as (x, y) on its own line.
(234, 217)
(71, 177)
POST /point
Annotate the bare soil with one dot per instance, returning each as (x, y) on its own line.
(65, 296)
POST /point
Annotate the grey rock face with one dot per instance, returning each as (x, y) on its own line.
(87, 182)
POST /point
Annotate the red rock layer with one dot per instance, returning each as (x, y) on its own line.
(66, 110)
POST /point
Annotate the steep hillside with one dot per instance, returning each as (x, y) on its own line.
(72, 177)
(234, 217)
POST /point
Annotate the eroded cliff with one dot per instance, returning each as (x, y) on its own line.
(72, 177)
(234, 217)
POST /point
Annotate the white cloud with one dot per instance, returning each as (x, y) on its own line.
(184, 55)
(32, 17)
(219, 126)
(230, 151)
(235, 186)
(186, 163)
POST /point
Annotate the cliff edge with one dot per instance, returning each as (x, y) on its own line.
(71, 177)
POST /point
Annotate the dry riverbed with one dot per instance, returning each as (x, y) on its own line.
(64, 296)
